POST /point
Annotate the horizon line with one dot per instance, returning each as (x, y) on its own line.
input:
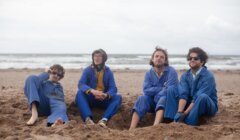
(107, 53)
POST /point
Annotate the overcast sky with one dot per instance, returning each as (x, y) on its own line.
(119, 26)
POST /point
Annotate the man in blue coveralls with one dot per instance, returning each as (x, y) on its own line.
(157, 81)
(196, 94)
(97, 88)
(45, 96)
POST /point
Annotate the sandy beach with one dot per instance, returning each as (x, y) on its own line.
(14, 111)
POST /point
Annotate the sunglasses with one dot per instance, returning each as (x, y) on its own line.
(193, 58)
(55, 73)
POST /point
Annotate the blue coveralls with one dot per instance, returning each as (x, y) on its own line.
(84, 101)
(201, 91)
(155, 89)
(49, 97)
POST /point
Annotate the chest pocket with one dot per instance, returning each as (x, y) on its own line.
(196, 85)
(165, 79)
(162, 82)
(199, 84)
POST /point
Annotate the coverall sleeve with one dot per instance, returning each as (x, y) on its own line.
(82, 84)
(183, 88)
(58, 89)
(112, 89)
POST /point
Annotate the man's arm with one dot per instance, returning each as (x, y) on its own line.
(184, 92)
(58, 89)
(112, 89)
(189, 108)
(184, 88)
(82, 84)
(181, 105)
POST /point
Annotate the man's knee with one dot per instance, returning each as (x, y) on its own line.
(118, 98)
(143, 98)
(203, 97)
(172, 92)
(143, 103)
(80, 95)
(32, 78)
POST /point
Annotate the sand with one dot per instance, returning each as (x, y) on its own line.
(14, 112)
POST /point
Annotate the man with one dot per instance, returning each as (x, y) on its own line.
(156, 83)
(97, 89)
(46, 97)
(196, 94)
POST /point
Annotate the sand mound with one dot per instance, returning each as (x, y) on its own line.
(14, 114)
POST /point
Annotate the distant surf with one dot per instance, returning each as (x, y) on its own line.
(115, 61)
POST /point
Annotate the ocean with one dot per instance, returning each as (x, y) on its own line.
(115, 61)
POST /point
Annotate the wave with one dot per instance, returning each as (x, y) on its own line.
(115, 61)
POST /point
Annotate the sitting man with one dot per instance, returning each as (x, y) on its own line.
(196, 94)
(45, 96)
(97, 88)
(157, 81)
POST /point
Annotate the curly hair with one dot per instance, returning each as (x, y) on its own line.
(59, 68)
(200, 52)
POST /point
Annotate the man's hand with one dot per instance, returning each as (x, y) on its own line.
(104, 96)
(179, 117)
(99, 95)
(47, 70)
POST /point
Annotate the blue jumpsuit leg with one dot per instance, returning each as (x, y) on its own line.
(203, 106)
(58, 110)
(32, 90)
(171, 103)
(161, 103)
(143, 105)
(82, 102)
(111, 106)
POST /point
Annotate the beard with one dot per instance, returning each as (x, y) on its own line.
(98, 67)
(159, 66)
(194, 67)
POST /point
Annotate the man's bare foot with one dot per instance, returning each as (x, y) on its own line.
(57, 122)
(34, 116)
(32, 120)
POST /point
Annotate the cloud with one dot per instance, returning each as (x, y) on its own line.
(221, 24)
(124, 26)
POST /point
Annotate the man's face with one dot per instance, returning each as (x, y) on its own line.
(54, 75)
(159, 58)
(98, 59)
(194, 61)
